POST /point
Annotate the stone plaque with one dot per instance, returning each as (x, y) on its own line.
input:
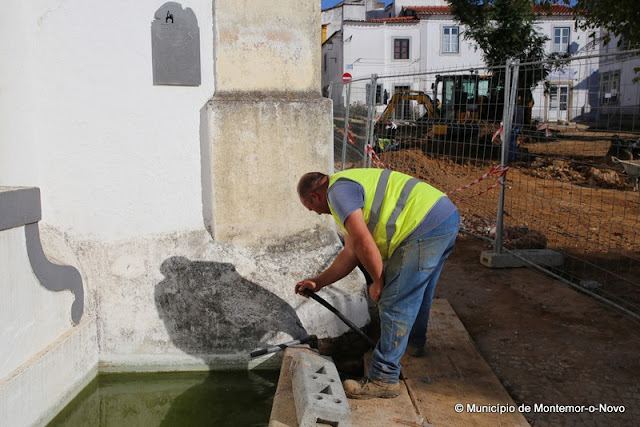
(175, 44)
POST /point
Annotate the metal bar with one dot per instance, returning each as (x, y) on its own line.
(346, 126)
(426, 73)
(574, 286)
(633, 52)
(511, 87)
(451, 70)
(332, 309)
(372, 113)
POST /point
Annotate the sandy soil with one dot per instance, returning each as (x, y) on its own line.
(551, 201)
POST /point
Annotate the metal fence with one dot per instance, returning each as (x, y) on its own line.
(540, 155)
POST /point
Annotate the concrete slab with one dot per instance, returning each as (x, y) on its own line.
(453, 373)
(516, 258)
(398, 411)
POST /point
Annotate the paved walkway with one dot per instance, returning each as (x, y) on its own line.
(452, 373)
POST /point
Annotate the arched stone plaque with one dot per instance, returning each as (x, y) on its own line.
(175, 43)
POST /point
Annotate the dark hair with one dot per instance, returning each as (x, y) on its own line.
(310, 182)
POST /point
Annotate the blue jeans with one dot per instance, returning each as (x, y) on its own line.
(410, 278)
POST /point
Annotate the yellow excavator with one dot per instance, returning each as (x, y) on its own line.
(409, 95)
(471, 103)
(386, 128)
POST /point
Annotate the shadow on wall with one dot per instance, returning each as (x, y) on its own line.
(210, 309)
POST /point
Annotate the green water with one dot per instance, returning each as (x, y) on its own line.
(239, 398)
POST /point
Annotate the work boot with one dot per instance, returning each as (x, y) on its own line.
(415, 351)
(369, 389)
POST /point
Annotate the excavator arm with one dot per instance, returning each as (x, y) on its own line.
(409, 95)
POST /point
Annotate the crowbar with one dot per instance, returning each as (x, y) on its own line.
(332, 309)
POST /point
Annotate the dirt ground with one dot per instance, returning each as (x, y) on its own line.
(553, 201)
(547, 343)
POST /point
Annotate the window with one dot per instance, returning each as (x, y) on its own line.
(450, 40)
(401, 49)
(609, 88)
(325, 63)
(561, 39)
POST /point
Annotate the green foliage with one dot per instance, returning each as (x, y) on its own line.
(358, 109)
(620, 17)
(503, 30)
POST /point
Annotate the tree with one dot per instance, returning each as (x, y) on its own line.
(621, 18)
(502, 29)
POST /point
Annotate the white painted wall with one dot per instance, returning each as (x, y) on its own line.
(124, 166)
(369, 48)
(353, 12)
(44, 385)
(333, 19)
(433, 56)
(31, 316)
(629, 91)
(114, 155)
(332, 68)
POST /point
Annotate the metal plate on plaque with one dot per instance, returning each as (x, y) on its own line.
(175, 44)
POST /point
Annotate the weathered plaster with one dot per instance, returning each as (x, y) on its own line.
(266, 46)
(183, 300)
(260, 146)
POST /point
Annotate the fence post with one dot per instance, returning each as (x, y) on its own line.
(510, 89)
(346, 125)
(371, 110)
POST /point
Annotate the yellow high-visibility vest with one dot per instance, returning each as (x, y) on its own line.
(394, 204)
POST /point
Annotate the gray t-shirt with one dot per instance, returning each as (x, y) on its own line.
(346, 196)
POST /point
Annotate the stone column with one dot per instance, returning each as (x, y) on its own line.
(267, 123)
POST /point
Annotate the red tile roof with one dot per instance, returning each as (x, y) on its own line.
(394, 19)
(554, 9)
(430, 10)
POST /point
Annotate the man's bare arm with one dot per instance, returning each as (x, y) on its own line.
(366, 251)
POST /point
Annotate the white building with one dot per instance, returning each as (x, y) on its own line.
(619, 92)
(417, 36)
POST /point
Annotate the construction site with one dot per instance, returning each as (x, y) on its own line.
(151, 235)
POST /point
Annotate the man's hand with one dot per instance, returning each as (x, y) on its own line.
(306, 284)
(375, 290)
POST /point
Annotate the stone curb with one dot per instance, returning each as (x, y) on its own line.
(317, 390)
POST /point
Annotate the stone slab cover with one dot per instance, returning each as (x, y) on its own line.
(175, 43)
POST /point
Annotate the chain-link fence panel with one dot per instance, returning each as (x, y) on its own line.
(574, 166)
